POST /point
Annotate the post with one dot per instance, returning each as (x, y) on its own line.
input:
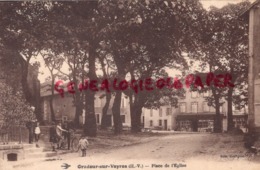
(20, 134)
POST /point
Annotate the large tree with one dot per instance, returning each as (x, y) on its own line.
(224, 50)
(14, 109)
(232, 43)
(148, 36)
(21, 38)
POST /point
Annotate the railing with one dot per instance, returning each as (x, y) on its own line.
(16, 134)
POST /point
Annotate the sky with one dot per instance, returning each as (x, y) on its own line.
(218, 3)
(44, 73)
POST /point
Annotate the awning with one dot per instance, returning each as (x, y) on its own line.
(192, 117)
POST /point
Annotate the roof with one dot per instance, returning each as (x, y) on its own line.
(46, 89)
(245, 13)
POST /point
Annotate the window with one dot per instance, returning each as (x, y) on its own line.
(151, 123)
(182, 107)
(194, 107)
(194, 94)
(160, 112)
(151, 112)
(64, 119)
(97, 118)
(203, 124)
(168, 111)
(237, 109)
(206, 94)
(185, 125)
(183, 95)
(160, 122)
(205, 107)
(122, 118)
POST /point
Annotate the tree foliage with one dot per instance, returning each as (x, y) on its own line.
(136, 38)
(14, 109)
(224, 46)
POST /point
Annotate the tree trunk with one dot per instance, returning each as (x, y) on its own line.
(25, 87)
(53, 118)
(138, 118)
(229, 110)
(37, 96)
(116, 113)
(217, 121)
(77, 100)
(78, 112)
(133, 114)
(136, 113)
(105, 118)
(116, 108)
(90, 127)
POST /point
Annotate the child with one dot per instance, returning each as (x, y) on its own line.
(83, 144)
(37, 132)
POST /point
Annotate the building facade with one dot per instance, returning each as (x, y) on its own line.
(65, 110)
(192, 114)
(252, 16)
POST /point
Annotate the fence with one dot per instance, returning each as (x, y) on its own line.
(16, 134)
(20, 134)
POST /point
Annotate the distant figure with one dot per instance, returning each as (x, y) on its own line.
(83, 145)
(30, 126)
(37, 132)
(53, 137)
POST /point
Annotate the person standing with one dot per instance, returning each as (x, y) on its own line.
(59, 131)
(53, 137)
(30, 126)
(67, 135)
(37, 132)
(70, 128)
(83, 145)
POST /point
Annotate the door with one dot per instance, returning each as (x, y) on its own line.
(165, 124)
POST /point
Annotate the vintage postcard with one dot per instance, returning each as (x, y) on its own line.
(129, 84)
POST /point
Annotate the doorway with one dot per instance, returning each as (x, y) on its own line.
(165, 124)
(12, 157)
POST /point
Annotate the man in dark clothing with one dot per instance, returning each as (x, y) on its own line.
(53, 136)
(31, 126)
(69, 127)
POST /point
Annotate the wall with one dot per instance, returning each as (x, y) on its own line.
(171, 119)
(155, 116)
(64, 108)
(254, 69)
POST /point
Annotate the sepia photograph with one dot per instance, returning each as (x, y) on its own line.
(130, 84)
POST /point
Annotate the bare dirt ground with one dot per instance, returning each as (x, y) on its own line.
(157, 151)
